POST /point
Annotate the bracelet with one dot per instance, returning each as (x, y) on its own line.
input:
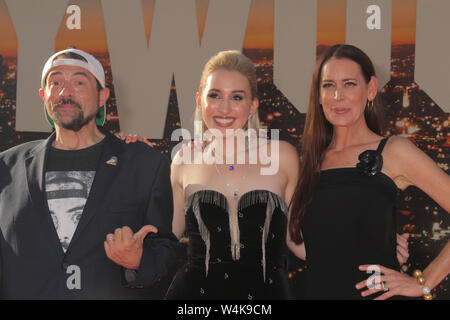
(426, 291)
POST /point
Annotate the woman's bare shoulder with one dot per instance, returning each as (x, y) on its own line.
(400, 147)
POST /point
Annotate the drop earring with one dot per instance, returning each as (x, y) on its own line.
(198, 126)
(249, 125)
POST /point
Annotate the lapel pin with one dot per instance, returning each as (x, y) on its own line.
(113, 161)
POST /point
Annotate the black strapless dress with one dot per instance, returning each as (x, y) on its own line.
(350, 222)
(254, 267)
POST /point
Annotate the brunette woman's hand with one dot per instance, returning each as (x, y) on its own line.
(402, 248)
(392, 282)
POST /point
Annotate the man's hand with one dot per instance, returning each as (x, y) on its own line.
(125, 248)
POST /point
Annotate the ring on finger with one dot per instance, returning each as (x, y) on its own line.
(110, 239)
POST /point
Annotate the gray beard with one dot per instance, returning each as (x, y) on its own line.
(78, 122)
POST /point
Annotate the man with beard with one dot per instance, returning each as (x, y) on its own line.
(82, 214)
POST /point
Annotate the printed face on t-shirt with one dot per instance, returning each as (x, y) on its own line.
(67, 194)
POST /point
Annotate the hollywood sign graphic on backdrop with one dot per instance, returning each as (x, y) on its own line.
(143, 73)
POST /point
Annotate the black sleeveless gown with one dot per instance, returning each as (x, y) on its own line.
(350, 222)
(256, 268)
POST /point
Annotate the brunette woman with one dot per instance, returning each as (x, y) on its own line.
(343, 209)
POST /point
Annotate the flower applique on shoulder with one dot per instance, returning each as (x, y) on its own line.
(371, 161)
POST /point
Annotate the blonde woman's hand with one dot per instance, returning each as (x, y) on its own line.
(132, 138)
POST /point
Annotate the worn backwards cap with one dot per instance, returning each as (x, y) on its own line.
(91, 64)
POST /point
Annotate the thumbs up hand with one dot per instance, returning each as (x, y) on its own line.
(125, 247)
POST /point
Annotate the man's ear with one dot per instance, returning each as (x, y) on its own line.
(41, 93)
(103, 96)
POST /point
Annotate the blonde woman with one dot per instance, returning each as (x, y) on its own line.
(235, 216)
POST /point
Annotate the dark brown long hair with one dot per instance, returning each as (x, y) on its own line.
(318, 133)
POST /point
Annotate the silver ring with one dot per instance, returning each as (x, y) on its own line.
(110, 239)
(385, 287)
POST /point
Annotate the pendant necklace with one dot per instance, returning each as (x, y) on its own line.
(235, 192)
(233, 215)
(231, 167)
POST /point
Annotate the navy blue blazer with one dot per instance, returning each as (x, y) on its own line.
(133, 191)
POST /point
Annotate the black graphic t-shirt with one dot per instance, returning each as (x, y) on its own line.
(68, 179)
